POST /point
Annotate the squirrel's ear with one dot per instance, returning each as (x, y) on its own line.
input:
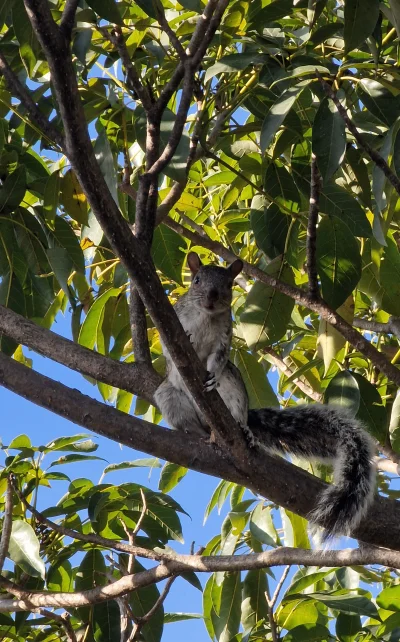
(235, 268)
(194, 262)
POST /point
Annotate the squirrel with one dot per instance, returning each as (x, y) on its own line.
(313, 432)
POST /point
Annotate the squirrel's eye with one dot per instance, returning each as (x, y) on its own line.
(196, 280)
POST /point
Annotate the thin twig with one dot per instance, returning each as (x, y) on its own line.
(372, 153)
(7, 523)
(271, 603)
(312, 230)
(133, 80)
(141, 621)
(63, 620)
(162, 21)
(280, 363)
(16, 87)
(279, 586)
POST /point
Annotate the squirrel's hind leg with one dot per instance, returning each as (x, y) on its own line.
(178, 410)
(232, 390)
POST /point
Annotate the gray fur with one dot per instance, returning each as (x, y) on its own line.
(205, 314)
(327, 434)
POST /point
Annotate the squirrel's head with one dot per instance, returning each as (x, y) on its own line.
(211, 287)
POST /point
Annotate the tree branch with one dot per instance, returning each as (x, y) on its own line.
(270, 476)
(312, 230)
(134, 82)
(68, 18)
(63, 621)
(391, 327)
(17, 88)
(372, 153)
(7, 523)
(134, 377)
(280, 363)
(29, 600)
(163, 22)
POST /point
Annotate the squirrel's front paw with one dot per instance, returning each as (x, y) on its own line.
(210, 382)
(251, 441)
(189, 336)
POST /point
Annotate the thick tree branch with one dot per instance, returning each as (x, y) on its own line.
(372, 153)
(272, 477)
(282, 556)
(139, 267)
(7, 524)
(134, 377)
(312, 230)
(18, 90)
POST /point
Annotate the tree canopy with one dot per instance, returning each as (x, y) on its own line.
(131, 133)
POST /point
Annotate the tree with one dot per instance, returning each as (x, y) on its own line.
(129, 133)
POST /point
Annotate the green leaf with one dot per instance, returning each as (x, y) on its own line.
(271, 228)
(255, 379)
(233, 63)
(137, 463)
(141, 601)
(266, 312)
(347, 627)
(356, 604)
(262, 526)
(59, 577)
(61, 265)
(170, 477)
(91, 572)
(360, 18)
(12, 190)
(63, 443)
(227, 620)
(338, 261)
(24, 548)
(389, 598)
(343, 391)
(105, 159)
(22, 441)
(66, 238)
(72, 197)
(279, 185)
(88, 331)
(371, 411)
(309, 632)
(378, 100)
(168, 252)
(328, 139)
(69, 459)
(390, 277)
(106, 9)
(337, 202)
(279, 110)
(107, 622)
(254, 602)
(181, 617)
(225, 177)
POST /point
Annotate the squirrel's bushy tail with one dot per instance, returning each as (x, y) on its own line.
(324, 433)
